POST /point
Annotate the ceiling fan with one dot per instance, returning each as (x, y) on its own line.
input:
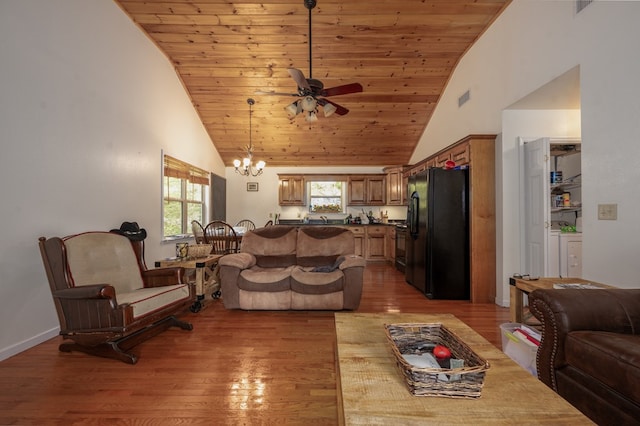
(312, 91)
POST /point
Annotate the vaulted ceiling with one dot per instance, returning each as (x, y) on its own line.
(401, 52)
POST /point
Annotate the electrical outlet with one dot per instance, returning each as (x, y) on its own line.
(607, 212)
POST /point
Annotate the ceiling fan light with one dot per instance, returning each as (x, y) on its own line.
(311, 117)
(329, 109)
(309, 103)
(292, 109)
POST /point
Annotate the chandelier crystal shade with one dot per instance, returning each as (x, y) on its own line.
(246, 167)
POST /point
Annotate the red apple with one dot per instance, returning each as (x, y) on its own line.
(441, 352)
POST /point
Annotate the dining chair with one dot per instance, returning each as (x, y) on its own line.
(222, 237)
(247, 224)
(269, 223)
(198, 231)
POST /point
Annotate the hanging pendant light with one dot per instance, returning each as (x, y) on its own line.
(246, 167)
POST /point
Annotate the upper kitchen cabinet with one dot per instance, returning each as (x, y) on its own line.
(395, 186)
(291, 190)
(367, 190)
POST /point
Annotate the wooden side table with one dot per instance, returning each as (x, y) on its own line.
(204, 274)
(521, 286)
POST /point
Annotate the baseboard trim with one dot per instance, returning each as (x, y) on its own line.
(15, 349)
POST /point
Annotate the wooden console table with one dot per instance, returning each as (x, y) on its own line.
(204, 275)
(520, 286)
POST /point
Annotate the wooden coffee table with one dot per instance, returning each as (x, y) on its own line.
(371, 390)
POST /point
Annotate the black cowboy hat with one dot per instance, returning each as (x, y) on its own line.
(132, 231)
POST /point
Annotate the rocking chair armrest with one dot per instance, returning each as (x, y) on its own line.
(163, 276)
(93, 291)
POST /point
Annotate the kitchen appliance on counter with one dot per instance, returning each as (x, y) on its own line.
(437, 257)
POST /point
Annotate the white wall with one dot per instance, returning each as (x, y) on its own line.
(87, 104)
(528, 124)
(258, 205)
(529, 45)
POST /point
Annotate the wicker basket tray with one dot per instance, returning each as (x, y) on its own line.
(465, 382)
(199, 250)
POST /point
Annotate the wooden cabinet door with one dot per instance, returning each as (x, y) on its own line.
(291, 191)
(391, 243)
(442, 158)
(376, 191)
(376, 243)
(394, 186)
(357, 191)
(359, 237)
(460, 154)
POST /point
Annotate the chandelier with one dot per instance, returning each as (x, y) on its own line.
(245, 167)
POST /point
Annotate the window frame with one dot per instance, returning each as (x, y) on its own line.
(343, 197)
(186, 174)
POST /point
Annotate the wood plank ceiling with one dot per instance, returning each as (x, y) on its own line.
(402, 52)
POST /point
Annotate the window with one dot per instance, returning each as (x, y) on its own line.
(326, 197)
(183, 190)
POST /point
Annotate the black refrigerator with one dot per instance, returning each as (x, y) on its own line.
(437, 258)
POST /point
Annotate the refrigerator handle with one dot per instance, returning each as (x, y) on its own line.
(412, 214)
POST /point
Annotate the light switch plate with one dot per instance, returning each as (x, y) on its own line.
(607, 212)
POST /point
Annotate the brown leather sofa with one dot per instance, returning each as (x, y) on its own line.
(590, 350)
(284, 267)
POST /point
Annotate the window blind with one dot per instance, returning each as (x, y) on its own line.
(181, 170)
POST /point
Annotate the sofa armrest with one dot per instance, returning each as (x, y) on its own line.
(160, 277)
(238, 260)
(93, 291)
(352, 261)
(567, 310)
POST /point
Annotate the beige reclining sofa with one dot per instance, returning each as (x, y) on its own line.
(284, 267)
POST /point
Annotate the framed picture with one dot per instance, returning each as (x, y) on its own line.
(252, 186)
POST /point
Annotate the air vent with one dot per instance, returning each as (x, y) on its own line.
(581, 4)
(464, 98)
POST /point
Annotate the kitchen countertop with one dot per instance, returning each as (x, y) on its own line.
(295, 222)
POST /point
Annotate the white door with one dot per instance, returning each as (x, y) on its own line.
(536, 205)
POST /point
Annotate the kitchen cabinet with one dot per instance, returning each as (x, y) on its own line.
(376, 243)
(291, 190)
(460, 154)
(359, 234)
(395, 189)
(367, 190)
(391, 244)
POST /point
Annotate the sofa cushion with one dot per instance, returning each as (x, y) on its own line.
(308, 282)
(103, 258)
(146, 300)
(611, 358)
(265, 279)
(273, 246)
(322, 245)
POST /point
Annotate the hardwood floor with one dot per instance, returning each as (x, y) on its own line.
(234, 368)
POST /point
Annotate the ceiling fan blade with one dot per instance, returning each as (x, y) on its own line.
(340, 110)
(342, 90)
(299, 78)
(262, 92)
